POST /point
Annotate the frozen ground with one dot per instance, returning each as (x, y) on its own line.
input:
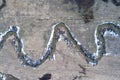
(35, 18)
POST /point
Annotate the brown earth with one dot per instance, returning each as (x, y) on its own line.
(35, 18)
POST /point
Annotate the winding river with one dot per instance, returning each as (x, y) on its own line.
(61, 31)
